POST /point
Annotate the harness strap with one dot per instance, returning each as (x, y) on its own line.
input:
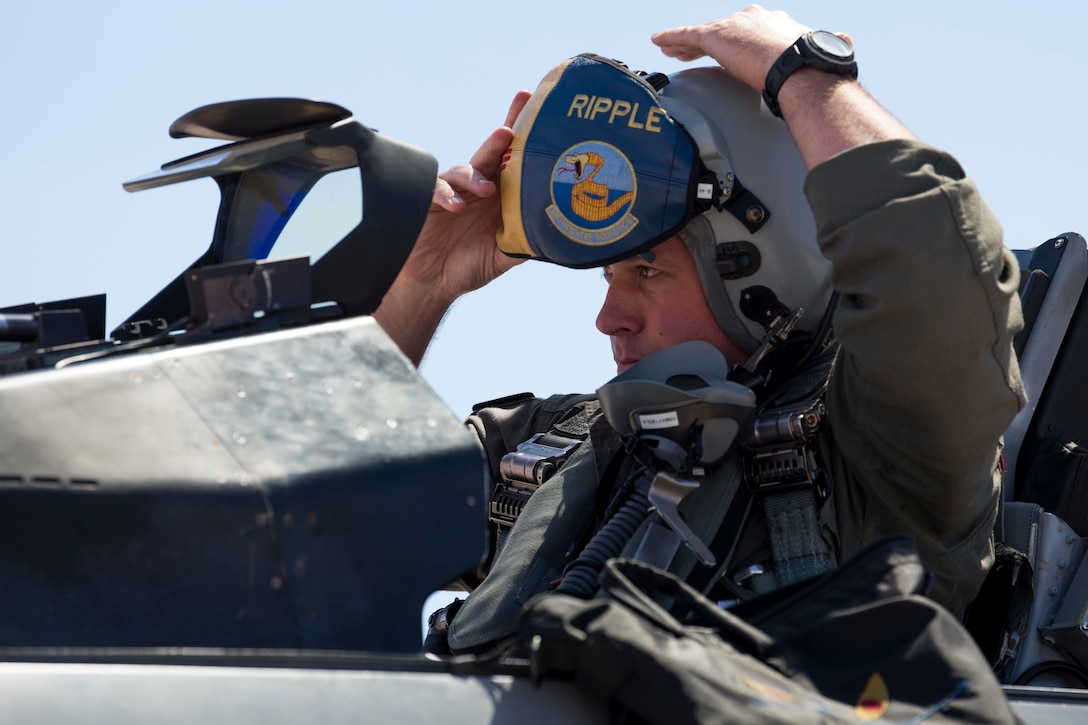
(784, 472)
(799, 551)
(725, 540)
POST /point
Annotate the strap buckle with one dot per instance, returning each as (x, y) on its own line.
(781, 457)
(783, 469)
(523, 471)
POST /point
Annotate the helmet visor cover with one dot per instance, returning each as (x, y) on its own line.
(598, 169)
(603, 167)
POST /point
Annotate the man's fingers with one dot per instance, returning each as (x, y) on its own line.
(683, 54)
(473, 177)
(467, 178)
(445, 196)
(485, 162)
(683, 43)
(459, 177)
(516, 106)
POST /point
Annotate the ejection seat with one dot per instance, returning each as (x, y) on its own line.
(1045, 502)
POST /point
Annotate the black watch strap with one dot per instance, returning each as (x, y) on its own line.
(803, 53)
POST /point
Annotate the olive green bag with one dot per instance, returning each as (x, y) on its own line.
(857, 644)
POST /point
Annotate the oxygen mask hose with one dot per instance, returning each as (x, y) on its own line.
(581, 578)
(674, 408)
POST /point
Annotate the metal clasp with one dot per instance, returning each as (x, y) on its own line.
(780, 453)
(666, 493)
(523, 471)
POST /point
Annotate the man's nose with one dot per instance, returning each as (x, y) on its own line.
(618, 312)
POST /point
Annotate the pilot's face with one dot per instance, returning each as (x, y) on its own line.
(652, 305)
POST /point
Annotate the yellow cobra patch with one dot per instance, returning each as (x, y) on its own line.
(588, 198)
(593, 190)
(873, 701)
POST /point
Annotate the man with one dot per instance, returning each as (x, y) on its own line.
(924, 379)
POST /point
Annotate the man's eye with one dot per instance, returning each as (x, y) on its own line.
(606, 272)
(648, 272)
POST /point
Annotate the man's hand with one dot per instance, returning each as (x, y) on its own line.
(456, 250)
(746, 44)
(826, 113)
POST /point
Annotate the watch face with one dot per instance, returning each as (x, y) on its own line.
(831, 44)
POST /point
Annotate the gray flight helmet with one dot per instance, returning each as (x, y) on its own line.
(748, 276)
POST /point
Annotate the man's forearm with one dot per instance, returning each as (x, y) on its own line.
(410, 316)
(828, 114)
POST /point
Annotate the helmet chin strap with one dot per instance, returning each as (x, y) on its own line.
(777, 335)
(778, 330)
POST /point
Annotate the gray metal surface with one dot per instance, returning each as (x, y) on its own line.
(97, 694)
(119, 694)
(1055, 552)
(1045, 341)
(1049, 705)
(246, 492)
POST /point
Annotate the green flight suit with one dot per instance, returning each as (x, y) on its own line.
(924, 385)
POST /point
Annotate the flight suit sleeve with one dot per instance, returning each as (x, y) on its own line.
(926, 381)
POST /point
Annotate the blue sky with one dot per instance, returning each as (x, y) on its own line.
(90, 89)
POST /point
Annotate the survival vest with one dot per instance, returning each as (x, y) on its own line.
(543, 521)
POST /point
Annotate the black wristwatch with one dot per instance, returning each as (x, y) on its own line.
(817, 49)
